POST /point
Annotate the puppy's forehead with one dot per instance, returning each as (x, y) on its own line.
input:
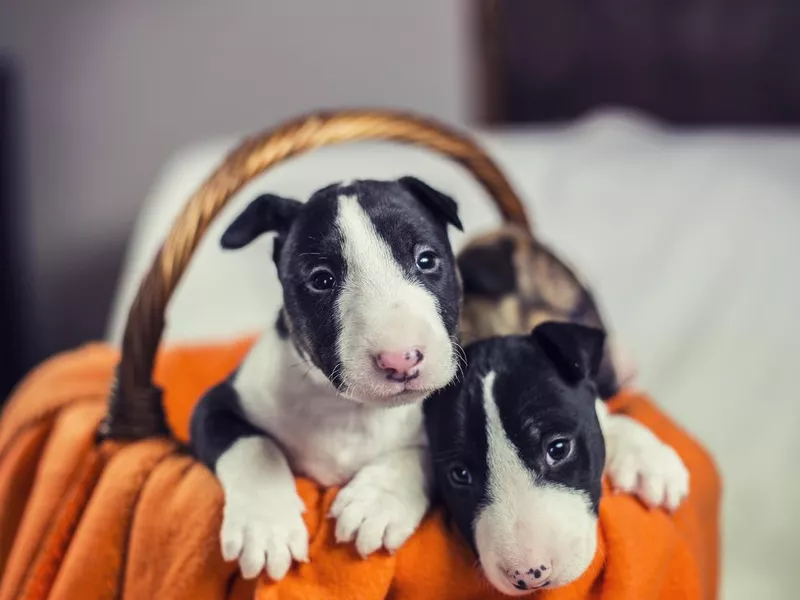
(393, 209)
(389, 206)
(527, 388)
(317, 219)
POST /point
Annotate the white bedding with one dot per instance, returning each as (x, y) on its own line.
(691, 241)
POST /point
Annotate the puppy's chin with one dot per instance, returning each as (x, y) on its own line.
(363, 384)
(368, 397)
(382, 393)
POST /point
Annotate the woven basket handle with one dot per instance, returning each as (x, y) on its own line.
(135, 405)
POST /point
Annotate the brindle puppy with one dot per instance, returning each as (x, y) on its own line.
(513, 282)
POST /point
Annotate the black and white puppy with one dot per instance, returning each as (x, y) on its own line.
(333, 392)
(519, 445)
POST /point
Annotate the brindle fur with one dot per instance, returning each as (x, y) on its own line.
(512, 282)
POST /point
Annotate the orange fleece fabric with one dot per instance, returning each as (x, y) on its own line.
(142, 520)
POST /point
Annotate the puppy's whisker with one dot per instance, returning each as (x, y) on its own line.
(335, 371)
(307, 373)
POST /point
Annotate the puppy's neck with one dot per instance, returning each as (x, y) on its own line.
(276, 368)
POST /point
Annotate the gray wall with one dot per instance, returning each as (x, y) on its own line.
(113, 88)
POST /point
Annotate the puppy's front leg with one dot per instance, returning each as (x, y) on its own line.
(385, 502)
(639, 463)
(262, 524)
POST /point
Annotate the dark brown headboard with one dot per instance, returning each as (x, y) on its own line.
(686, 61)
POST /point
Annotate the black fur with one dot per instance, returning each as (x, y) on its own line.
(543, 389)
(217, 422)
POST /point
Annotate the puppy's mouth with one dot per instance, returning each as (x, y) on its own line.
(404, 378)
(388, 392)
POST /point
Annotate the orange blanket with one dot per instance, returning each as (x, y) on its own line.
(142, 520)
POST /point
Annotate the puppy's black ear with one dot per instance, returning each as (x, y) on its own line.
(266, 213)
(442, 205)
(575, 350)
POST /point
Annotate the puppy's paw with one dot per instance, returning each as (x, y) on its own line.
(377, 513)
(265, 532)
(639, 463)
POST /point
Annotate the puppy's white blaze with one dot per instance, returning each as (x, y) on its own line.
(380, 309)
(528, 522)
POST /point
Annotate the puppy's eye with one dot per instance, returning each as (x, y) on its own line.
(321, 280)
(427, 261)
(558, 450)
(460, 476)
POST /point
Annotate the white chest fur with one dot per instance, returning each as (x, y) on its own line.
(324, 436)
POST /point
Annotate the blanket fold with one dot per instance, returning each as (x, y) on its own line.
(142, 520)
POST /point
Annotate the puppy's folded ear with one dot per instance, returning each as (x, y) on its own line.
(442, 205)
(575, 350)
(264, 214)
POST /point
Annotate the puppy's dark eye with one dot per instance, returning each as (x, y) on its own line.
(427, 261)
(460, 476)
(558, 450)
(322, 280)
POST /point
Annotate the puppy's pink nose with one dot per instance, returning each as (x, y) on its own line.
(400, 362)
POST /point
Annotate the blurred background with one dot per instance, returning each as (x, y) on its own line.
(657, 142)
(99, 95)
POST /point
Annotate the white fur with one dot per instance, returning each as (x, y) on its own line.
(527, 522)
(324, 436)
(380, 309)
(637, 462)
(328, 438)
(262, 523)
(385, 502)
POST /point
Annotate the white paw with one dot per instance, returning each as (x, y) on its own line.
(265, 532)
(639, 463)
(376, 515)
